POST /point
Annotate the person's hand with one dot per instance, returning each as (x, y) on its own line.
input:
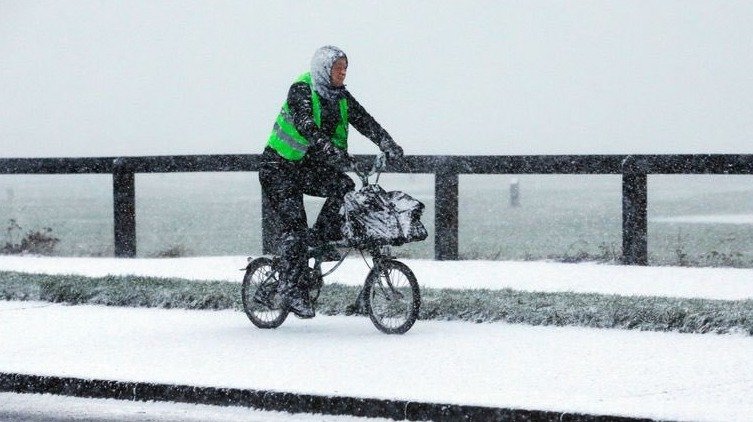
(336, 156)
(391, 149)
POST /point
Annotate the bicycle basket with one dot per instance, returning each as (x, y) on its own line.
(374, 216)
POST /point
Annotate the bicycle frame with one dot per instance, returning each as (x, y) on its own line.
(379, 254)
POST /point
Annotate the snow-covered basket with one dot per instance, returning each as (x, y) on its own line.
(374, 216)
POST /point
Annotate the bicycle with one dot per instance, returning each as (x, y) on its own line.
(390, 294)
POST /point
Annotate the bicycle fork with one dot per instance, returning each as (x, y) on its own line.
(391, 293)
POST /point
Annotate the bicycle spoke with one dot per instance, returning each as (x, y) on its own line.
(393, 290)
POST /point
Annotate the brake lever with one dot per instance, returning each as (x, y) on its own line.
(380, 163)
(357, 170)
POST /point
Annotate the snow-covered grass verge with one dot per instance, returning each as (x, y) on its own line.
(475, 305)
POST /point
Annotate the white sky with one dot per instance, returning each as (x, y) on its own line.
(138, 77)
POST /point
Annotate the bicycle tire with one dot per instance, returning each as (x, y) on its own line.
(259, 271)
(405, 301)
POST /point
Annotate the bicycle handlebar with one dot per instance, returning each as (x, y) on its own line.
(379, 164)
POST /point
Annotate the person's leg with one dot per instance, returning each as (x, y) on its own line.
(286, 199)
(331, 184)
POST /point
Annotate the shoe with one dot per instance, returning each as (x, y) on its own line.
(299, 304)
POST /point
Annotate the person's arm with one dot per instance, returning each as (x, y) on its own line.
(301, 109)
(299, 102)
(368, 127)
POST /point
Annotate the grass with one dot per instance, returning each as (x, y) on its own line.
(480, 306)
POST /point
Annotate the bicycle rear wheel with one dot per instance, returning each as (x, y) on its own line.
(392, 297)
(258, 293)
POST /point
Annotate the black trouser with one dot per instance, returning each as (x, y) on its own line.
(284, 183)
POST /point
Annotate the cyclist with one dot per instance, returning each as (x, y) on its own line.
(304, 155)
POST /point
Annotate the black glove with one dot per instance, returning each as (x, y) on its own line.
(391, 149)
(335, 156)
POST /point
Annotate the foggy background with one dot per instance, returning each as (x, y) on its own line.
(102, 78)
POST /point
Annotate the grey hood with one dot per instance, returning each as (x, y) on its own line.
(321, 71)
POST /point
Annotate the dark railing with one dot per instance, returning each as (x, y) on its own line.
(633, 168)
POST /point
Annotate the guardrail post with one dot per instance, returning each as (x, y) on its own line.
(446, 215)
(124, 209)
(634, 214)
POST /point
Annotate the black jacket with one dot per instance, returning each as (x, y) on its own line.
(299, 102)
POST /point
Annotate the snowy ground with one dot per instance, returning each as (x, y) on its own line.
(711, 283)
(647, 374)
(619, 372)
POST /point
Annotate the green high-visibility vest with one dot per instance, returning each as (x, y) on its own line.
(289, 143)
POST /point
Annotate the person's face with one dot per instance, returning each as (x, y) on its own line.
(339, 69)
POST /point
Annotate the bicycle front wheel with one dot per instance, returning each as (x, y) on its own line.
(392, 297)
(258, 293)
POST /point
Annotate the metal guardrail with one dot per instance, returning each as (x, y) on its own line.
(633, 168)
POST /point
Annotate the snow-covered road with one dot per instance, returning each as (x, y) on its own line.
(711, 283)
(646, 374)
